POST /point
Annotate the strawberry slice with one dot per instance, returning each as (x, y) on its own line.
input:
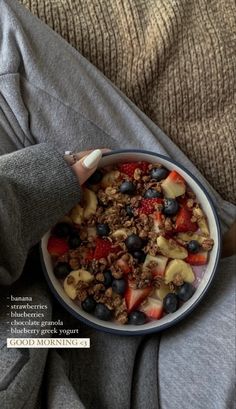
(102, 249)
(143, 166)
(158, 221)
(130, 167)
(197, 259)
(183, 221)
(147, 206)
(176, 177)
(89, 255)
(158, 216)
(57, 246)
(153, 308)
(133, 297)
(174, 185)
(124, 266)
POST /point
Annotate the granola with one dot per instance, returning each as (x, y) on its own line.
(128, 252)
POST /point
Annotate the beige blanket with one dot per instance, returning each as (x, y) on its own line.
(175, 59)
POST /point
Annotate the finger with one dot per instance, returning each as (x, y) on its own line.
(87, 165)
(80, 155)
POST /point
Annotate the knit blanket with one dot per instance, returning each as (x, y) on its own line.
(175, 59)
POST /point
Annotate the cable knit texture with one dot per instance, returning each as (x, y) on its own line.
(175, 59)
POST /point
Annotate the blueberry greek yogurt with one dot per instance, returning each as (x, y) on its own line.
(135, 248)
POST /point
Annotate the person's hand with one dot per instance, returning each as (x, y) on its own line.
(87, 163)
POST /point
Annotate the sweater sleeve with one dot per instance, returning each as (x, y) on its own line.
(37, 187)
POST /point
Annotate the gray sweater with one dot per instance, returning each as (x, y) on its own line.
(37, 188)
(52, 100)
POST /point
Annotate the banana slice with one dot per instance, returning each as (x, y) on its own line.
(156, 264)
(201, 220)
(77, 214)
(171, 249)
(191, 236)
(90, 203)
(121, 234)
(162, 291)
(110, 178)
(179, 268)
(72, 280)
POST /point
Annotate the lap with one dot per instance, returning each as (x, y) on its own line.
(61, 98)
(197, 358)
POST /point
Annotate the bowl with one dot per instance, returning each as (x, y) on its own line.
(186, 309)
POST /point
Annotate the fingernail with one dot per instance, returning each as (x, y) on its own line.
(92, 159)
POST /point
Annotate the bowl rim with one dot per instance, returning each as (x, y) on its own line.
(186, 313)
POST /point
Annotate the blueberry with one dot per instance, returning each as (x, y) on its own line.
(152, 194)
(95, 178)
(170, 302)
(185, 291)
(134, 242)
(88, 304)
(159, 173)
(129, 211)
(108, 278)
(61, 270)
(103, 229)
(193, 246)
(127, 187)
(62, 229)
(102, 312)
(74, 240)
(171, 207)
(139, 255)
(119, 286)
(137, 318)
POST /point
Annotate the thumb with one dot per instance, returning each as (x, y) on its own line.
(86, 166)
